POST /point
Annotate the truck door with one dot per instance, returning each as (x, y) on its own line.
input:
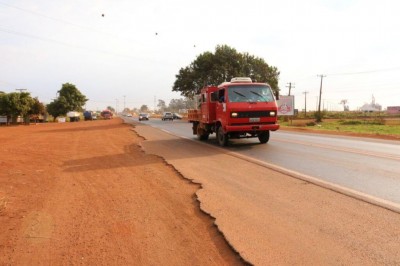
(221, 112)
(204, 108)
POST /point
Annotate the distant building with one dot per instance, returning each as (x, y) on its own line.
(371, 107)
(393, 110)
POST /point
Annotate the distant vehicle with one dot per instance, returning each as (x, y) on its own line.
(143, 116)
(129, 115)
(74, 116)
(176, 116)
(89, 115)
(35, 118)
(106, 114)
(167, 116)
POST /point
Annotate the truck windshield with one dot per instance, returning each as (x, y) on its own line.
(246, 93)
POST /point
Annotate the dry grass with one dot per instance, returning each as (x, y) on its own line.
(391, 122)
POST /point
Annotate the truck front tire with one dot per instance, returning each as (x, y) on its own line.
(263, 137)
(222, 137)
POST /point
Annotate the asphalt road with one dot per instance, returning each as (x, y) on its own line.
(368, 166)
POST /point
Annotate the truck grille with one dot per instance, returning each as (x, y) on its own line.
(246, 124)
(253, 114)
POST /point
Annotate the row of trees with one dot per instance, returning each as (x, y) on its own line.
(17, 104)
(174, 106)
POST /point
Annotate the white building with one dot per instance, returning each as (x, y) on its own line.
(371, 107)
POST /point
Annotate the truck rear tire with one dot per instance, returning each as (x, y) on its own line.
(222, 137)
(202, 134)
(263, 137)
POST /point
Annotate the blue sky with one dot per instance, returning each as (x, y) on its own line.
(119, 58)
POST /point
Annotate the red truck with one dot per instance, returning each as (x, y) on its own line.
(237, 109)
(106, 114)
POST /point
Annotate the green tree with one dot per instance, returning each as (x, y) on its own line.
(183, 103)
(3, 110)
(126, 110)
(17, 104)
(189, 103)
(56, 108)
(161, 105)
(69, 99)
(38, 108)
(224, 64)
(111, 109)
(144, 108)
(176, 104)
(74, 100)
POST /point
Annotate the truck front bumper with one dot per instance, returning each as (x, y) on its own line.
(251, 128)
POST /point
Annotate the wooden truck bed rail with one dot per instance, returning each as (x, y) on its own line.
(194, 115)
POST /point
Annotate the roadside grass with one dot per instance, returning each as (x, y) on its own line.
(374, 127)
(365, 128)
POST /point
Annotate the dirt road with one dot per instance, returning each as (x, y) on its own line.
(84, 193)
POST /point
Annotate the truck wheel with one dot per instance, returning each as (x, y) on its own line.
(202, 134)
(222, 137)
(263, 137)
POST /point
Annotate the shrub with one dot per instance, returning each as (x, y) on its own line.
(351, 122)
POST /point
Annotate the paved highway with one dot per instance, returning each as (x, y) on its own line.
(366, 165)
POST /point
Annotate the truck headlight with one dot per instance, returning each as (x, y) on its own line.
(234, 114)
(272, 113)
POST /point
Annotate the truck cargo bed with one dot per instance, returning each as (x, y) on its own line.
(194, 115)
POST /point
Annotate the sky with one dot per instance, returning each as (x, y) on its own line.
(130, 56)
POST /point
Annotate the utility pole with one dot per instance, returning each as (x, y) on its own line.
(116, 106)
(305, 103)
(124, 103)
(290, 87)
(319, 118)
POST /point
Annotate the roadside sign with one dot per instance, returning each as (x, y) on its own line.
(285, 105)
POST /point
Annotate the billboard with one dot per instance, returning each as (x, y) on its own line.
(285, 105)
(393, 110)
